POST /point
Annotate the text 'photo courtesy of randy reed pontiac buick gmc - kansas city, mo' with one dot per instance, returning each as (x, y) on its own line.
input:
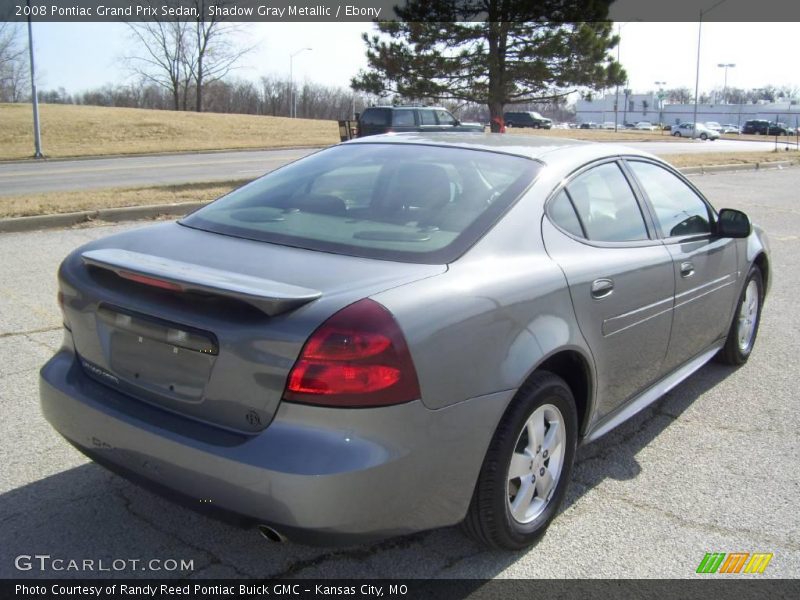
(400, 332)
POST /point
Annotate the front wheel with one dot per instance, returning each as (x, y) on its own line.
(527, 468)
(744, 328)
(677, 134)
(703, 137)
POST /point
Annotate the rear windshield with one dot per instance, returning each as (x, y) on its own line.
(404, 202)
(375, 116)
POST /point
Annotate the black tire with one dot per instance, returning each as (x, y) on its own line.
(703, 137)
(509, 125)
(732, 353)
(677, 134)
(489, 520)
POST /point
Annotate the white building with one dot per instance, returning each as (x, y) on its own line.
(646, 107)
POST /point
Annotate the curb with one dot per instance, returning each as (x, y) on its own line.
(111, 215)
(131, 213)
(46, 159)
(778, 164)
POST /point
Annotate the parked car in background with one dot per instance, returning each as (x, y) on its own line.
(589, 125)
(608, 125)
(780, 129)
(400, 333)
(530, 119)
(731, 128)
(713, 126)
(562, 126)
(376, 120)
(645, 126)
(689, 130)
(756, 126)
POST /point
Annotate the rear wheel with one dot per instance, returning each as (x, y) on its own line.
(744, 328)
(527, 467)
(677, 134)
(703, 137)
(509, 125)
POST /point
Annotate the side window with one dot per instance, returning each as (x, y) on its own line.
(426, 117)
(403, 117)
(445, 118)
(563, 214)
(679, 210)
(375, 116)
(606, 205)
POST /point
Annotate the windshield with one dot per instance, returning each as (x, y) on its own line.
(404, 202)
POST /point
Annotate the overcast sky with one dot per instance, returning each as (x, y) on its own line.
(79, 56)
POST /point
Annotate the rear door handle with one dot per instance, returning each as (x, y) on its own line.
(602, 288)
(687, 269)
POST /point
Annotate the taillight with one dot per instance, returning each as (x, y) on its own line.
(151, 281)
(356, 358)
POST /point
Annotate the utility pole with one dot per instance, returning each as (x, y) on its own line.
(725, 66)
(697, 67)
(37, 138)
(292, 95)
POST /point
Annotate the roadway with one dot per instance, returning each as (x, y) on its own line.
(32, 177)
(711, 467)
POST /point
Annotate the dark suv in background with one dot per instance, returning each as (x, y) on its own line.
(397, 119)
(764, 127)
(527, 119)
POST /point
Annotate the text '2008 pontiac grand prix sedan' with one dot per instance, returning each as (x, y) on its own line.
(400, 333)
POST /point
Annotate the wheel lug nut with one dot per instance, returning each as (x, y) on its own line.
(538, 449)
(546, 454)
(541, 471)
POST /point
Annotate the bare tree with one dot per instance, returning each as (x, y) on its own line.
(214, 54)
(12, 62)
(162, 60)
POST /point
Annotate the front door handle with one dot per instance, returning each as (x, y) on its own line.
(602, 288)
(687, 269)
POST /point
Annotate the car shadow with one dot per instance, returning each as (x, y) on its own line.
(87, 513)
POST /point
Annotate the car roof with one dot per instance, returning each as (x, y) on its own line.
(528, 146)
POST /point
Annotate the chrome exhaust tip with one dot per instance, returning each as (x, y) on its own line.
(268, 533)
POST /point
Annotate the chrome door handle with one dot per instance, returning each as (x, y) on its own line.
(687, 269)
(602, 288)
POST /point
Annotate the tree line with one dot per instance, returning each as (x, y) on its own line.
(269, 96)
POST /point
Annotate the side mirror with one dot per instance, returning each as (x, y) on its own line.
(733, 224)
(456, 123)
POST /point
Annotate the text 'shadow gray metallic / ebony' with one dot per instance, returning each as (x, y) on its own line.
(400, 332)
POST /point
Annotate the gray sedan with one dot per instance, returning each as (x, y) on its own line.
(400, 333)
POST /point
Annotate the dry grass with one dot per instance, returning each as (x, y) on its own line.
(92, 130)
(64, 202)
(730, 158)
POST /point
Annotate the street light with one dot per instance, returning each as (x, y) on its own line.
(697, 67)
(660, 96)
(293, 99)
(37, 138)
(725, 66)
(616, 94)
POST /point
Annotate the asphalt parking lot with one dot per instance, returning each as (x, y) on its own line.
(711, 467)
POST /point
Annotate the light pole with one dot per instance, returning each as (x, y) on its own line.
(660, 96)
(697, 67)
(292, 98)
(616, 94)
(725, 66)
(37, 138)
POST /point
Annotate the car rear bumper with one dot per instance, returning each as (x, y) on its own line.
(316, 475)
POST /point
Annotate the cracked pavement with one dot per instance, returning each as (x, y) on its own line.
(712, 466)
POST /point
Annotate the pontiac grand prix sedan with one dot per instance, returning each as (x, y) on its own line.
(400, 333)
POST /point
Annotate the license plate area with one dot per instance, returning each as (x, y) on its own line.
(169, 359)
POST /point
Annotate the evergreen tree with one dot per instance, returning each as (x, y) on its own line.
(492, 52)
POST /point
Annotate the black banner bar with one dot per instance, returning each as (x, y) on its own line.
(370, 10)
(701, 588)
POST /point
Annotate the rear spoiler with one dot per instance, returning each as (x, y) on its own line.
(270, 297)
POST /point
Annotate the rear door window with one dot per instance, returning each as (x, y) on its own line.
(445, 118)
(607, 206)
(426, 117)
(403, 117)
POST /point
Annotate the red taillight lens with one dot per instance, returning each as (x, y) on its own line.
(151, 281)
(357, 358)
